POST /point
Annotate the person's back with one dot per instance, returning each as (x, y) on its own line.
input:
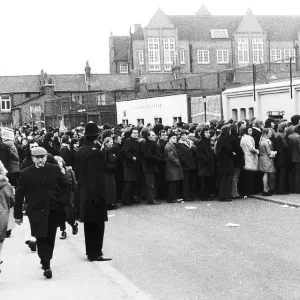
(4, 154)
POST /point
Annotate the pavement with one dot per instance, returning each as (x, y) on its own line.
(244, 249)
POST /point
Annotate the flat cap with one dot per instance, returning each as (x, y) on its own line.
(37, 151)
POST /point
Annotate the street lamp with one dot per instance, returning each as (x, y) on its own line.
(205, 101)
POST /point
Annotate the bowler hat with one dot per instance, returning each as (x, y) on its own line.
(91, 129)
(38, 151)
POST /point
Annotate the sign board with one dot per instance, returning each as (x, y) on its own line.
(7, 134)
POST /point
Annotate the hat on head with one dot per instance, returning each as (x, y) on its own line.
(171, 134)
(38, 151)
(65, 139)
(91, 129)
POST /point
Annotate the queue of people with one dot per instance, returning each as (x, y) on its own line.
(84, 171)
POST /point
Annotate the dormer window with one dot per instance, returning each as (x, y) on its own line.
(219, 33)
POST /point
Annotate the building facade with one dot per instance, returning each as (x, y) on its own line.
(204, 43)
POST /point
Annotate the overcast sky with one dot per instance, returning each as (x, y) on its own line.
(59, 36)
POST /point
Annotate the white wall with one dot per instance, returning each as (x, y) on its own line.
(269, 97)
(166, 108)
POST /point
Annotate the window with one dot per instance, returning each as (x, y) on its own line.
(77, 98)
(288, 53)
(258, 50)
(8, 125)
(125, 122)
(234, 114)
(101, 99)
(140, 122)
(157, 120)
(176, 119)
(169, 50)
(219, 33)
(251, 113)
(5, 103)
(123, 68)
(222, 56)
(182, 57)
(243, 50)
(203, 56)
(141, 57)
(242, 113)
(275, 55)
(168, 67)
(153, 53)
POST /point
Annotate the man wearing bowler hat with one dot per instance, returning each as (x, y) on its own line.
(46, 190)
(90, 193)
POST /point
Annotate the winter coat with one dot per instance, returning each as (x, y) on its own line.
(131, 149)
(250, 153)
(4, 154)
(14, 160)
(186, 152)
(45, 189)
(205, 158)
(90, 190)
(173, 168)
(238, 159)
(6, 202)
(282, 157)
(294, 141)
(265, 162)
(224, 156)
(149, 157)
(67, 154)
(256, 134)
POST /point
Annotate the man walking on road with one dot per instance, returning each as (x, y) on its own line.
(90, 193)
(46, 190)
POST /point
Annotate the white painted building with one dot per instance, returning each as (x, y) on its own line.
(238, 103)
(165, 110)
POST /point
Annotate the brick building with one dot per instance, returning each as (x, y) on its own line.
(204, 43)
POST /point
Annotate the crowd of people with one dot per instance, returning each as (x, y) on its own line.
(107, 166)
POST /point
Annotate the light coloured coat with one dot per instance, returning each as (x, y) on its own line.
(250, 153)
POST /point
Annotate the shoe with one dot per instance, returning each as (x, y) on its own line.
(31, 245)
(154, 203)
(99, 258)
(266, 194)
(75, 228)
(63, 235)
(8, 233)
(48, 273)
(175, 201)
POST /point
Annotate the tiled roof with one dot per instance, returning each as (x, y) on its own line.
(195, 27)
(64, 83)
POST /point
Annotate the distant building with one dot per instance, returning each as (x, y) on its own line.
(203, 43)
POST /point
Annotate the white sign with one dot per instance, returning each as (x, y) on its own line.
(7, 134)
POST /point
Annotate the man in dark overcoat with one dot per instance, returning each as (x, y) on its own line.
(47, 191)
(90, 193)
(130, 152)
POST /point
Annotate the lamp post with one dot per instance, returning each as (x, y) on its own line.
(205, 101)
(296, 47)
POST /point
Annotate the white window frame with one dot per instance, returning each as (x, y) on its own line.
(289, 53)
(275, 55)
(222, 56)
(182, 56)
(141, 57)
(101, 99)
(243, 50)
(153, 54)
(215, 33)
(123, 68)
(258, 50)
(203, 56)
(169, 50)
(6, 100)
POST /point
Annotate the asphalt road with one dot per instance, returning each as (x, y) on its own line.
(171, 252)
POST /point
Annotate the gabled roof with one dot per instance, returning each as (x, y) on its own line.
(203, 11)
(249, 23)
(160, 20)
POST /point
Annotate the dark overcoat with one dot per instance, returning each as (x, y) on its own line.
(282, 157)
(173, 168)
(186, 156)
(90, 190)
(51, 190)
(130, 149)
(239, 158)
(110, 161)
(205, 158)
(149, 157)
(224, 156)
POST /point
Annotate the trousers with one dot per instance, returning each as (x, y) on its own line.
(94, 234)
